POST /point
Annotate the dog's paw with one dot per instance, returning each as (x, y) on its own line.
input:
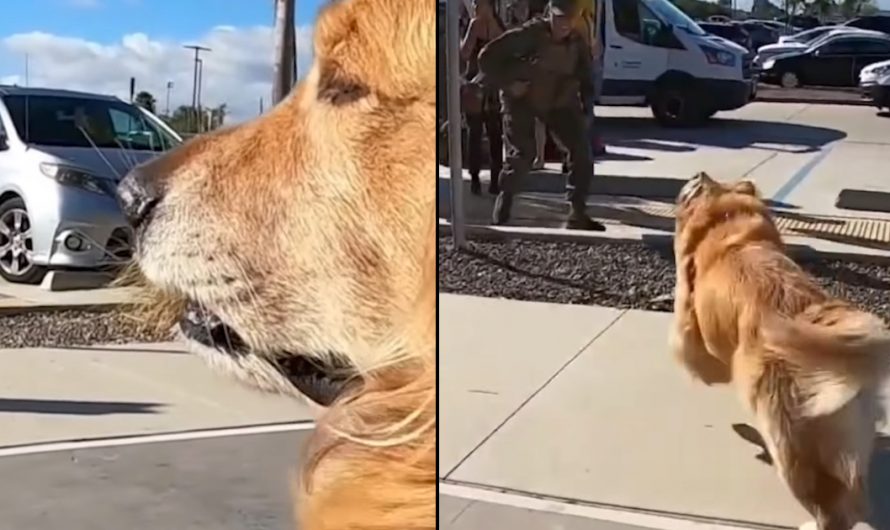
(809, 525)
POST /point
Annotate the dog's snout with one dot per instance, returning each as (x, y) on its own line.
(138, 193)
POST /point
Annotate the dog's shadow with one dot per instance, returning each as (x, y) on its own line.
(879, 473)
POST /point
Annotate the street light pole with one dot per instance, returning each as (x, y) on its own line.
(198, 109)
(198, 50)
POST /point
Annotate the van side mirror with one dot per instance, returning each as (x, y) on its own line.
(4, 141)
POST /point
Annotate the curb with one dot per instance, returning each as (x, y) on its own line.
(21, 309)
(815, 101)
(797, 246)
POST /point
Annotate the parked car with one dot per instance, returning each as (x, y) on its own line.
(732, 32)
(780, 27)
(772, 50)
(874, 81)
(834, 62)
(809, 35)
(873, 22)
(761, 34)
(61, 156)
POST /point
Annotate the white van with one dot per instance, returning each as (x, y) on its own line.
(655, 55)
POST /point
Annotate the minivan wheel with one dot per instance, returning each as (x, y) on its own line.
(17, 244)
(675, 107)
(789, 80)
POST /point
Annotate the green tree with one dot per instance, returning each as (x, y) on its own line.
(855, 8)
(146, 100)
(820, 8)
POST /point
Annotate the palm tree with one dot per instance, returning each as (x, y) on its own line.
(285, 49)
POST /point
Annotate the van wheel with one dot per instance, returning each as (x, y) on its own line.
(675, 107)
(17, 244)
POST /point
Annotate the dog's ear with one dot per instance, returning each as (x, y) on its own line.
(746, 187)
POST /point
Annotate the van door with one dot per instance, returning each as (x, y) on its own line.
(632, 61)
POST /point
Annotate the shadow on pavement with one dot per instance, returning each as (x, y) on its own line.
(867, 200)
(545, 181)
(75, 408)
(879, 473)
(642, 133)
(123, 348)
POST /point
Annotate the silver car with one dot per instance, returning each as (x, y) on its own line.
(61, 156)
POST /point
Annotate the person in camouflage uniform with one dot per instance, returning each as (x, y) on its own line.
(543, 70)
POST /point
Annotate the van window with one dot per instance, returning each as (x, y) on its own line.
(636, 21)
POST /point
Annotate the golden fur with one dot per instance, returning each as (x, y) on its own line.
(806, 364)
(311, 229)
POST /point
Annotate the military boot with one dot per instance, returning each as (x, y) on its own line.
(579, 220)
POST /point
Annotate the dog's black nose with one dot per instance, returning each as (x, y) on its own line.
(138, 193)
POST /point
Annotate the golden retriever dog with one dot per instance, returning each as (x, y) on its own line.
(302, 248)
(807, 365)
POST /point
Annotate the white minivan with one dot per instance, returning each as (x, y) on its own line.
(655, 55)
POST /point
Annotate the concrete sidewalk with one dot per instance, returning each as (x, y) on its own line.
(54, 395)
(584, 404)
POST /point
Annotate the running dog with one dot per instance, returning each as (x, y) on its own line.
(806, 364)
(302, 246)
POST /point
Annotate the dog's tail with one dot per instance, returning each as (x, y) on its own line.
(832, 352)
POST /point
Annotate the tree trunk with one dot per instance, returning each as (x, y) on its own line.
(285, 50)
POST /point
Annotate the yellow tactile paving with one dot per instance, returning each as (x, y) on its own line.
(791, 223)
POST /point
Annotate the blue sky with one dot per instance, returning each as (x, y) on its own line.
(96, 45)
(106, 20)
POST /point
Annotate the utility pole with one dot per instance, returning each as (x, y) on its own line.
(169, 87)
(198, 50)
(27, 69)
(200, 89)
(285, 50)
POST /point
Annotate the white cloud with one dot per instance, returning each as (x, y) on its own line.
(238, 70)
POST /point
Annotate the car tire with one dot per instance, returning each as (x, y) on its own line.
(789, 80)
(29, 273)
(673, 106)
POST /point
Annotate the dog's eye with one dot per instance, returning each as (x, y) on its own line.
(338, 88)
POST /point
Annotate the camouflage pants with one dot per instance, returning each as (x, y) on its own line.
(568, 126)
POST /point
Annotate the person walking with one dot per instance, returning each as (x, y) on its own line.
(518, 13)
(543, 70)
(482, 107)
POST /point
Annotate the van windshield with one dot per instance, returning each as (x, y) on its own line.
(671, 14)
(65, 121)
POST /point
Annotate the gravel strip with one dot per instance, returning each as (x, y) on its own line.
(622, 275)
(72, 328)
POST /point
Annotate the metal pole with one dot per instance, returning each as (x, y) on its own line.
(285, 50)
(199, 112)
(452, 45)
(169, 86)
(27, 70)
(194, 113)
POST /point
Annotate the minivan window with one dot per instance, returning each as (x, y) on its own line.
(65, 121)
